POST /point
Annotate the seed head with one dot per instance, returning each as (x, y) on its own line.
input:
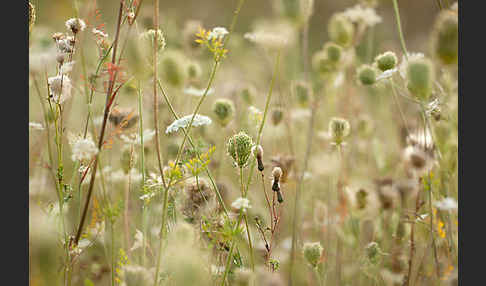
(248, 94)
(420, 75)
(445, 38)
(386, 61)
(149, 36)
(172, 64)
(257, 151)
(341, 30)
(75, 25)
(193, 70)
(302, 92)
(334, 52)
(277, 173)
(224, 110)
(313, 252)
(277, 116)
(338, 128)
(239, 148)
(366, 75)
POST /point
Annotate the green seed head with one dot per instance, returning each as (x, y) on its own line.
(386, 61)
(248, 94)
(339, 128)
(312, 252)
(224, 110)
(322, 64)
(420, 75)
(445, 38)
(341, 30)
(172, 64)
(302, 92)
(334, 52)
(367, 75)
(193, 70)
(373, 252)
(239, 148)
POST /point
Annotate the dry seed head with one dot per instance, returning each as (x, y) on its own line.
(366, 75)
(239, 148)
(224, 110)
(341, 30)
(75, 25)
(312, 252)
(386, 61)
(338, 128)
(257, 151)
(149, 36)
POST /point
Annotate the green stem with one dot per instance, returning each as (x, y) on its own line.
(399, 27)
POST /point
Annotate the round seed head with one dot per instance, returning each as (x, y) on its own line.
(302, 92)
(445, 38)
(334, 52)
(341, 30)
(366, 75)
(193, 70)
(420, 75)
(386, 61)
(277, 173)
(248, 94)
(339, 129)
(312, 252)
(224, 110)
(239, 148)
(149, 36)
(172, 64)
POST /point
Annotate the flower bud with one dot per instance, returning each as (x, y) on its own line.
(366, 75)
(312, 252)
(239, 148)
(224, 110)
(257, 151)
(386, 61)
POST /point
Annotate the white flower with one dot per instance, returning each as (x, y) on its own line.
(83, 149)
(75, 25)
(364, 15)
(255, 115)
(183, 122)
(60, 87)
(35, 126)
(135, 137)
(138, 240)
(218, 33)
(64, 46)
(99, 33)
(386, 74)
(241, 204)
(197, 92)
(403, 65)
(217, 270)
(447, 204)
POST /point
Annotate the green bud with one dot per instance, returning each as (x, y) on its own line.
(373, 252)
(386, 61)
(193, 70)
(312, 252)
(224, 110)
(239, 148)
(366, 75)
(248, 94)
(322, 64)
(341, 30)
(420, 75)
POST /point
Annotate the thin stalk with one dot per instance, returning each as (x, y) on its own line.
(102, 132)
(399, 27)
(142, 167)
(246, 225)
(112, 254)
(399, 107)
(412, 240)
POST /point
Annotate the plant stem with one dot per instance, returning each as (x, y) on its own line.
(399, 27)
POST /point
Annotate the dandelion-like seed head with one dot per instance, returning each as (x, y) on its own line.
(277, 173)
(312, 253)
(60, 88)
(339, 129)
(239, 148)
(386, 61)
(149, 36)
(75, 25)
(241, 204)
(224, 110)
(83, 149)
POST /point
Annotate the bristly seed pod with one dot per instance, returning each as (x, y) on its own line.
(366, 75)
(341, 30)
(258, 153)
(421, 76)
(224, 110)
(239, 148)
(277, 173)
(386, 61)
